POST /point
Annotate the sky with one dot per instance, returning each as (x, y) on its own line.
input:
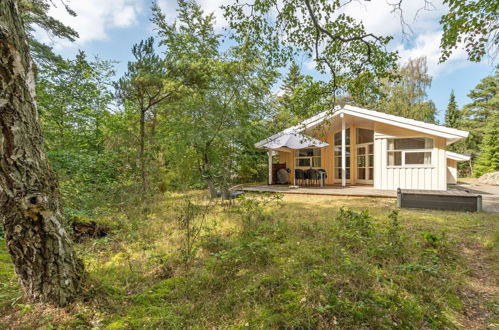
(109, 28)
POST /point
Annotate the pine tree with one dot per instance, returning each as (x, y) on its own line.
(293, 79)
(488, 161)
(452, 113)
(476, 115)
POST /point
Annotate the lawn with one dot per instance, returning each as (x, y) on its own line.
(291, 262)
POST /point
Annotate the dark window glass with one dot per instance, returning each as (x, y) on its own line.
(410, 143)
(417, 158)
(365, 135)
(337, 137)
(394, 158)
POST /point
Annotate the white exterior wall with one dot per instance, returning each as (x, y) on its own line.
(425, 177)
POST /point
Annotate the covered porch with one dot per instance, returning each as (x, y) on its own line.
(342, 148)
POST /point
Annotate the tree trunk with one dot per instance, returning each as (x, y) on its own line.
(142, 148)
(41, 251)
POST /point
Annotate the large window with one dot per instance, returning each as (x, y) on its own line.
(308, 158)
(410, 152)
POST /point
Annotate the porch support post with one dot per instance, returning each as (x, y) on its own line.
(270, 166)
(343, 153)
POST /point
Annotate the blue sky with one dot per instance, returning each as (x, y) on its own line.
(109, 28)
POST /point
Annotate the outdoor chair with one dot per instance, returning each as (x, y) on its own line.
(231, 193)
(300, 176)
(314, 176)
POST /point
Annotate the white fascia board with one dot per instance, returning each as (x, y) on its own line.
(450, 134)
(456, 156)
(310, 122)
(433, 129)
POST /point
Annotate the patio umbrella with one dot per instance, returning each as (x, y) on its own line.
(294, 141)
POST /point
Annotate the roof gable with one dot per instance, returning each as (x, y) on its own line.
(450, 134)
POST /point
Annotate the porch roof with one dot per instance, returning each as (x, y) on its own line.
(456, 156)
(450, 134)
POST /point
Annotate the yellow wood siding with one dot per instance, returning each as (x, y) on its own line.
(451, 171)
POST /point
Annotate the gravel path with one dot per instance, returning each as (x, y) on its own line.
(490, 194)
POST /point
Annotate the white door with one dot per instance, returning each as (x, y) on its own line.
(365, 163)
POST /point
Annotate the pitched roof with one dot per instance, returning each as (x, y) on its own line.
(451, 134)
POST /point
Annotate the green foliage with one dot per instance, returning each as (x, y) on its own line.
(9, 286)
(327, 281)
(301, 97)
(146, 86)
(74, 101)
(36, 13)
(252, 210)
(211, 131)
(472, 23)
(452, 115)
(191, 222)
(488, 161)
(476, 115)
(353, 58)
(354, 225)
(407, 96)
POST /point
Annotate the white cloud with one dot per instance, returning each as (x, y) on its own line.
(310, 65)
(421, 39)
(379, 19)
(169, 8)
(213, 6)
(94, 18)
(428, 44)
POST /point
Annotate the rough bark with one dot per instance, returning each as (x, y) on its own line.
(41, 251)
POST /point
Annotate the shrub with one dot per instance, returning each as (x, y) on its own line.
(191, 221)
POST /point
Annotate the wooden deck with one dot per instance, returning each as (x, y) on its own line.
(454, 200)
(359, 191)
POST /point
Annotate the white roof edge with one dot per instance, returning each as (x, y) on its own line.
(456, 156)
(417, 123)
(314, 120)
(451, 134)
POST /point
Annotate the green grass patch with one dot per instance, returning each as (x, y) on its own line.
(299, 262)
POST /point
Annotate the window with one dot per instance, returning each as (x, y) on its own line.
(364, 135)
(337, 138)
(308, 157)
(409, 151)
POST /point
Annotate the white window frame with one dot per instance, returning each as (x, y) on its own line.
(297, 156)
(404, 151)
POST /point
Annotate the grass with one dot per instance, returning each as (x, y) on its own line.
(301, 262)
